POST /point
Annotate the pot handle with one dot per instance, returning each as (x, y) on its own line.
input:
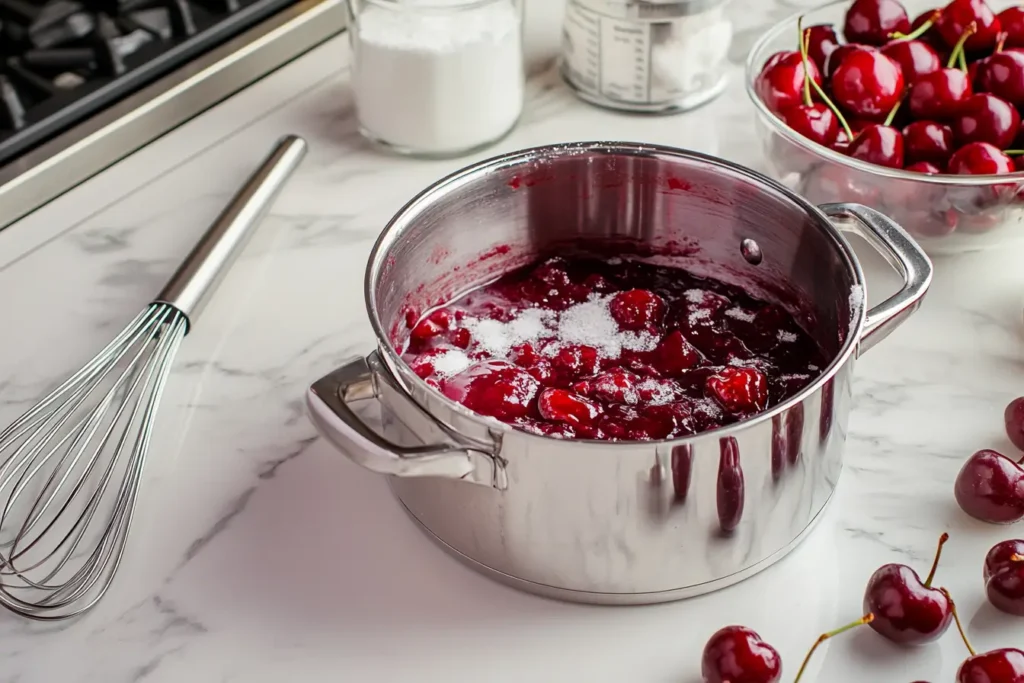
(902, 253)
(360, 379)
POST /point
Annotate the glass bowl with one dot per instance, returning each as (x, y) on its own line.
(947, 214)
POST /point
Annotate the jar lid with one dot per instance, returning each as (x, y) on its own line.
(649, 9)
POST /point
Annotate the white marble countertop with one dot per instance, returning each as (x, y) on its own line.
(262, 555)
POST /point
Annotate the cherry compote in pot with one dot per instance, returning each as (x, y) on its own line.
(612, 349)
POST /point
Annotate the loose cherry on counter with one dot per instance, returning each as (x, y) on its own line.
(1005, 665)
(736, 654)
(868, 84)
(928, 141)
(1013, 416)
(990, 487)
(872, 21)
(1004, 576)
(986, 118)
(959, 15)
(1011, 22)
(979, 158)
(906, 610)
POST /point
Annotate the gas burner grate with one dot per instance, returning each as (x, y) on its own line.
(64, 60)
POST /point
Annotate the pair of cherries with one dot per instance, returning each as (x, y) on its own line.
(900, 607)
(990, 486)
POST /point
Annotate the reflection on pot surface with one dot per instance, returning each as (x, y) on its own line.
(626, 521)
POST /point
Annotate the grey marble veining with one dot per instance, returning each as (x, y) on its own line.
(261, 555)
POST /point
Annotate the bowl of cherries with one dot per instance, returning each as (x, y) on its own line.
(912, 109)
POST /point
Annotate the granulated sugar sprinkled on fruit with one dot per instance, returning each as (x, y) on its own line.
(498, 338)
(591, 323)
(451, 362)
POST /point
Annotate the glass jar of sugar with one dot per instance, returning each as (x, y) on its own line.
(436, 78)
(649, 56)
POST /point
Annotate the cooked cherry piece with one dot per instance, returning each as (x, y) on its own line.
(979, 158)
(637, 309)
(1013, 416)
(958, 15)
(740, 390)
(1002, 74)
(1011, 22)
(986, 118)
(907, 610)
(916, 58)
(872, 22)
(867, 84)
(1005, 665)
(780, 84)
(878, 144)
(927, 141)
(815, 122)
(939, 95)
(559, 405)
(494, 388)
(990, 487)
(736, 654)
(1004, 576)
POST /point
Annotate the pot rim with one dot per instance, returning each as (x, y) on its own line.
(392, 232)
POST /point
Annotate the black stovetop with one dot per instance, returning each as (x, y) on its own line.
(62, 61)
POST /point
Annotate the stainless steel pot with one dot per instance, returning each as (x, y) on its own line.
(615, 522)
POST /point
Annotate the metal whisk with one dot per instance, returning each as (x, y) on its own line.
(70, 467)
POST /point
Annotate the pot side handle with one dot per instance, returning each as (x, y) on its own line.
(902, 253)
(327, 401)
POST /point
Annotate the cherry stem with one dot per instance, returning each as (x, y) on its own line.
(804, 40)
(956, 618)
(892, 114)
(919, 31)
(1016, 558)
(935, 563)
(1001, 40)
(958, 49)
(1010, 153)
(866, 619)
(831, 105)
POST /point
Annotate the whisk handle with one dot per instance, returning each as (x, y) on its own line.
(201, 272)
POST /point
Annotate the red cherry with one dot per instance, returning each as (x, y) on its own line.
(990, 487)
(878, 144)
(905, 609)
(979, 158)
(928, 141)
(740, 390)
(736, 654)
(837, 56)
(821, 42)
(1011, 21)
(781, 85)
(930, 36)
(1004, 576)
(675, 354)
(494, 388)
(916, 58)
(997, 666)
(872, 21)
(815, 122)
(1013, 416)
(958, 15)
(939, 95)
(868, 84)
(925, 167)
(559, 405)
(986, 118)
(1002, 74)
(637, 309)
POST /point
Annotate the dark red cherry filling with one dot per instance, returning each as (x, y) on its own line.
(612, 349)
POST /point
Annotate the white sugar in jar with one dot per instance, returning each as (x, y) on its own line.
(436, 78)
